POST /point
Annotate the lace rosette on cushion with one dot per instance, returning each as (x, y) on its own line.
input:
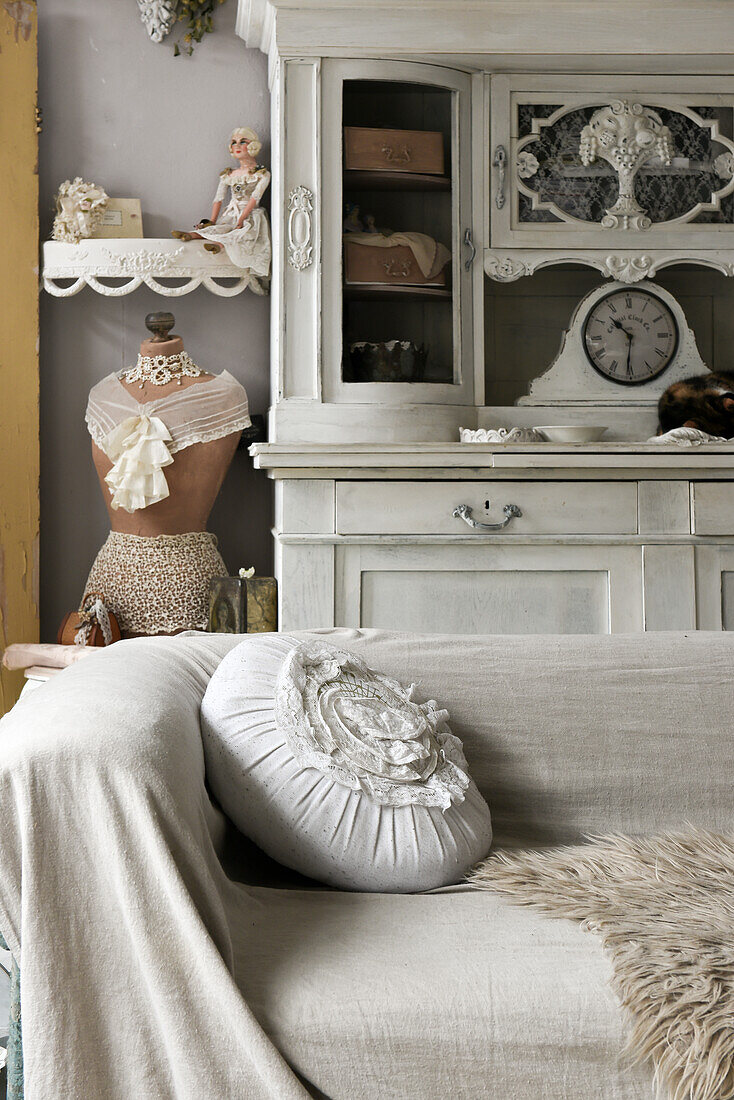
(363, 730)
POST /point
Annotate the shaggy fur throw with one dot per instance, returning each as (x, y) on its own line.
(664, 909)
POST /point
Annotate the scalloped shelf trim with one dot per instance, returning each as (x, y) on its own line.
(141, 261)
(508, 265)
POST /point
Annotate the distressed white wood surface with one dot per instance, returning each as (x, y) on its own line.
(309, 421)
(305, 507)
(297, 315)
(422, 507)
(669, 587)
(452, 460)
(712, 508)
(657, 36)
(714, 567)
(305, 586)
(664, 507)
(378, 552)
(471, 590)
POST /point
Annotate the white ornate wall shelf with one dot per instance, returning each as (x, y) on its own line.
(506, 266)
(68, 268)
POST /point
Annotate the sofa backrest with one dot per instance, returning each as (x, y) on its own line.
(568, 735)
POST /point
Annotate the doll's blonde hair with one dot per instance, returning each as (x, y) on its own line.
(254, 145)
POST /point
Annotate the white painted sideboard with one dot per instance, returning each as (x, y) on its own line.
(619, 536)
(610, 539)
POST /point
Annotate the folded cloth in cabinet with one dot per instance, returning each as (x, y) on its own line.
(137, 446)
(431, 256)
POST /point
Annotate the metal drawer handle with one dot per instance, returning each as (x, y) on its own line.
(500, 163)
(464, 512)
(472, 249)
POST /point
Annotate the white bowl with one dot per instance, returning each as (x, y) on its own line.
(571, 433)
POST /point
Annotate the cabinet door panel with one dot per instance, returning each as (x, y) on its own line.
(375, 314)
(517, 601)
(712, 508)
(610, 161)
(715, 587)
(483, 590)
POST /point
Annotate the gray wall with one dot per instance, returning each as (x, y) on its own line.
(125, 113)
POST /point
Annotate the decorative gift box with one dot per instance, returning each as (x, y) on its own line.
(393, 150)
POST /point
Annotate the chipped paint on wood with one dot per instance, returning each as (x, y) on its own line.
(23, 14)
(19, 517)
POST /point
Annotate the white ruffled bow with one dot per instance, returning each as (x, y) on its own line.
(137, 446)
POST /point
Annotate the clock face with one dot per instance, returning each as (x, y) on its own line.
(630, 336)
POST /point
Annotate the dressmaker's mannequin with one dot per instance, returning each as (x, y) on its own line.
(164, 433)
(194, 479)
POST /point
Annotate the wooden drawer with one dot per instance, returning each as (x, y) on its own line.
(393, 150)
(364, 263)
(712, 508)
(426, 508)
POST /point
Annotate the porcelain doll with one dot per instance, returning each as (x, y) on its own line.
(243, 229)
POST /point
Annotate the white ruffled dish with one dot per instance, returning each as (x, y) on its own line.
(500, 435)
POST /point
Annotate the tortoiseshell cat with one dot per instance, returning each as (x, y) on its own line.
(705, 401)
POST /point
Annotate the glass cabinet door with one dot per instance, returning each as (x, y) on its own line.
(620, 161)
(396, 180)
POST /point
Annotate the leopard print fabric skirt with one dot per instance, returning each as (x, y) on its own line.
(157, 584)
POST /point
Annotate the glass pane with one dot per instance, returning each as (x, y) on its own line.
(552, 166)
(398, 232)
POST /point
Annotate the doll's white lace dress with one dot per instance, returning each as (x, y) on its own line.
(248, 246)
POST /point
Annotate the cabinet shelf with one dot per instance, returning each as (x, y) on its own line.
(379, 292)
(138, 261)
(362, 180)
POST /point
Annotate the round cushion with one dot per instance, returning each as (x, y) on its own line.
(335, 771)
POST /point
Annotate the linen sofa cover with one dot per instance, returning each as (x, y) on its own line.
(173, 978)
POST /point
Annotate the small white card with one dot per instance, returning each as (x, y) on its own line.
(121, 218)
